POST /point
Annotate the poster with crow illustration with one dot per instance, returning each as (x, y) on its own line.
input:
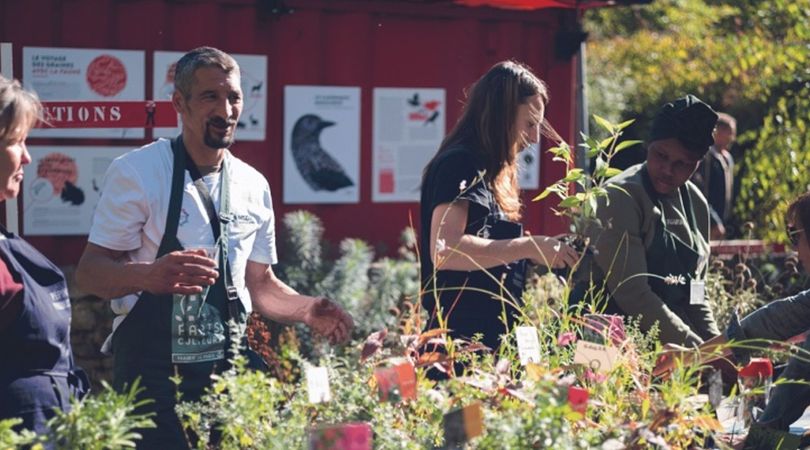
(61, 188)
(83, 74)
(321, 144)
(409, 125)
(253, 121)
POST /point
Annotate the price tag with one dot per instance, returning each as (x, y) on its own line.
(463, 424)
(345, 436)
(396, 383)
(318, 384)
(596, 357)
(697, 292)
(528, 345)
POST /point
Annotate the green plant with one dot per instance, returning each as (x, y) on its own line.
(11, 439)
(104, 421)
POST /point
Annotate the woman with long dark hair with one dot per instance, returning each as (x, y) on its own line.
(473, 249)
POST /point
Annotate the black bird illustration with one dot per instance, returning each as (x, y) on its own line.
(256, 87)
(95, 186)
(72, 194)
(414, 101)
(253, 121)
(432, 117)
(317, 167)
(240, 124)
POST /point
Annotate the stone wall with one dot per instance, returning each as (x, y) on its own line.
(91, 323)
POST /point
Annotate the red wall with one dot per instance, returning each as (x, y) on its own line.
(372, 43)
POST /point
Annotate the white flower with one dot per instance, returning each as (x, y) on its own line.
(674, 279)
(441, 246)
(462, 185)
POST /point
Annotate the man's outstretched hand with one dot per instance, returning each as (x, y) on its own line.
(328, 319)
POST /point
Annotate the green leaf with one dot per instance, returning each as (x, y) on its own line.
(570, 202)
(546, 192)
(611, 172)
(573, 175)
(624, 144)
(624, 124)
(604, 123)
(605, 142)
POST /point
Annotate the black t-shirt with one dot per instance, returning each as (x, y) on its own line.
(457, 174)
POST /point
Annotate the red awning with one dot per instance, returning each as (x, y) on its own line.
(537, 4)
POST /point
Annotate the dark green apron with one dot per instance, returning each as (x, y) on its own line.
(145, 345)
(667, 255)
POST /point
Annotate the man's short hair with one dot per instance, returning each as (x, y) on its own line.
(198, 58)
(726, 120)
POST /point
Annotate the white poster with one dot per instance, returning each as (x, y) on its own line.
(408, 129)
(253, 121)
(61, 188)
(529, 167)
(321, 144)
(70, 74)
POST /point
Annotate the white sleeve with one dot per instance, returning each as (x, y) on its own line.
(122, 209)
(264, 247)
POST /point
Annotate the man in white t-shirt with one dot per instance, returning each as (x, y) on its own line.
(170, 215)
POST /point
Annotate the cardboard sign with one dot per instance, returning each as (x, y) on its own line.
(396, 383)
(463, 424)
(596, 357)
(697, 292)
(318, 384)
(346, 436)
(762, 438)
(528, 345)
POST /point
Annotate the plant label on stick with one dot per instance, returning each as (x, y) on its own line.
(345, 436)
(318, 384)
(596, 357)
(463, 424)
(697, 292)
(528, 345)
(396, 383)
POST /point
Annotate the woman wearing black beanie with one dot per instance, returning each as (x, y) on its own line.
(652, 235)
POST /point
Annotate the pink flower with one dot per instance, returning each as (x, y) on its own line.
(566, 338)
(594, 377)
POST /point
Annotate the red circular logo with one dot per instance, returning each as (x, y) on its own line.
(106, 75)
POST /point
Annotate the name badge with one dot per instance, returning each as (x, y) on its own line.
(697, 292)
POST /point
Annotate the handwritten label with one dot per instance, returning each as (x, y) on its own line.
(528, 345)
(596, 357)
(318, 384)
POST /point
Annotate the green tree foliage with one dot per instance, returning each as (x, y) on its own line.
(749, 58)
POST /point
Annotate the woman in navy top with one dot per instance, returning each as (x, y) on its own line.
(37, 373)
